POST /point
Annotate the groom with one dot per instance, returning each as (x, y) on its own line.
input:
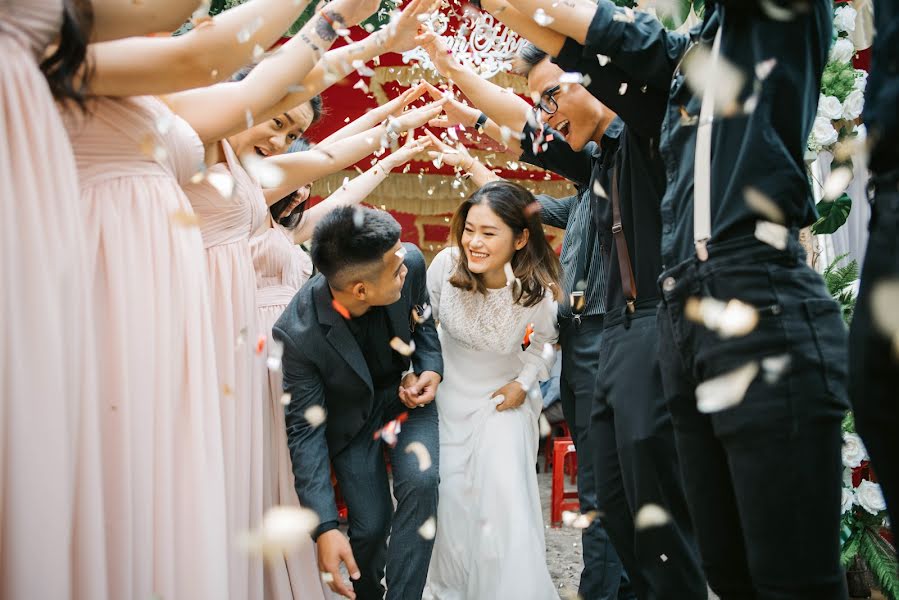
(340, 333)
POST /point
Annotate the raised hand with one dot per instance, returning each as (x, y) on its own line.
(455, 157)
(440, 55)
(404, 27)
(407, 151)
(455, 112)
(416, 117)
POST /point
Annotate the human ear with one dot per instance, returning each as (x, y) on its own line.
(358, 290)
(522, 240)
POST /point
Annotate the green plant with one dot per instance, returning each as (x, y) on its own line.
(839, 280)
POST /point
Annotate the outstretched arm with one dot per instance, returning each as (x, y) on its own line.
(209, 53)
(376, 116)
(114, 19)
(301, 168)
(570, 18)
(503, 107)
(242, 102)
(460, 158)
(359, 188)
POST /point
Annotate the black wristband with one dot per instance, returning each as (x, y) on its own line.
(479, 124)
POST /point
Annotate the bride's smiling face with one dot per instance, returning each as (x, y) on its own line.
(488, 242)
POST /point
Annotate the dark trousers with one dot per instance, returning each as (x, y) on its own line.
(362, 476)
(636, 462)
(762, 477)
(603, 577)
(874, 357)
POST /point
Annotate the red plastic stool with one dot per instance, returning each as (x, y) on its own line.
(561, 500)
(548, 446)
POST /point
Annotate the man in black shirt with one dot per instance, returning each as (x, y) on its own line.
(755, 409)
(873, 346)
(347, 335)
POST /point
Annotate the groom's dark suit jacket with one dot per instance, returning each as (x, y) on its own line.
(323, 366)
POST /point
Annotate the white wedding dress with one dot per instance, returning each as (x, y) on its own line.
(490, 542)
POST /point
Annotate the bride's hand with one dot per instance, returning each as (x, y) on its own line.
(513, 395)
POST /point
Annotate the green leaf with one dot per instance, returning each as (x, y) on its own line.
(699, 8)
(850, 550)
(881, 559)
(675, 14)
(832, 215)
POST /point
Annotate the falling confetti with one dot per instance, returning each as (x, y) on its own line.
(884, 300)
(836, 183)
(622, 89)
(542, 19)
(727, 390)
(773, 367)
(402, 347)
(246, 32)
(598, 190)
(285, 399)
(764, 68)
(260, 343)
(421, 453)
(603, 59)
(184, 218)
(773, 234)
(428, 529)
(315, 415)
(388, 434)
(267, 174)
(728, 80)
(763, 205)
(283, 529)
(651, 515)
(275, 353)
(544, 426)
(222, 182)
(625, 15)
(730, 319)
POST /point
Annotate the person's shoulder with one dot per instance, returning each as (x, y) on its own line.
(414, 258)
(301, 310)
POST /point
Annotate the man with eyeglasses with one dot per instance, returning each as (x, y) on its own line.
(584, 141)
(585, 256)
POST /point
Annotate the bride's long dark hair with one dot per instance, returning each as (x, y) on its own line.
(535, 265)
(67, 69)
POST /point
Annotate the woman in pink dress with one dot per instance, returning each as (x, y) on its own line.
(161, 429)
(48, 425)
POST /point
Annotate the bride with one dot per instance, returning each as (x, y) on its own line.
(489, 540)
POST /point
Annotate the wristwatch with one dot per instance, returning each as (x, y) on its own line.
(479, 124)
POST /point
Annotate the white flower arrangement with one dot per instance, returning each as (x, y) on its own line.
(869, 496)
(853, 451)
(844, 18)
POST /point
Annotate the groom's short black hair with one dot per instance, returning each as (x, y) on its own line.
(350, 240)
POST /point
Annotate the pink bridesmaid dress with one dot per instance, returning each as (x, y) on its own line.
(281, 269)
(161, 439)
(226, 224)
(51, 536)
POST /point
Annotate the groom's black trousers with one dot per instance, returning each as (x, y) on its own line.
(637, 464)
(362, 475)
(603, 577)
(873, 356)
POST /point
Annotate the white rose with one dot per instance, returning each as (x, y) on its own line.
(829, 107)
(853, 105)
(870, 497)
(844, 18)
(842, 50)
(846, 501)
(823, 132)
(861, 80)
(853, 450)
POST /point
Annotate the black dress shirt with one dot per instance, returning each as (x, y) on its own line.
(586, 217)
(372, 332)
(641, 173)
(763, 149)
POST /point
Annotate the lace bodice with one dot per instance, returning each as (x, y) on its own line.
(492, 322)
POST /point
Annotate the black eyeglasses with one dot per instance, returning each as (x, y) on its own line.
(548, 102)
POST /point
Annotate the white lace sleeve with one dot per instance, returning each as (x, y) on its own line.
(438, 274)
(538, 359)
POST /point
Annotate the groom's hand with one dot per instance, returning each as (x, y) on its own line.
(418, 390)
(333, 549)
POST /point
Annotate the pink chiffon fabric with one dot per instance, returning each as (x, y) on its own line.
(51, 510)
(161, 439)
(226, 224)
(281, 269)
